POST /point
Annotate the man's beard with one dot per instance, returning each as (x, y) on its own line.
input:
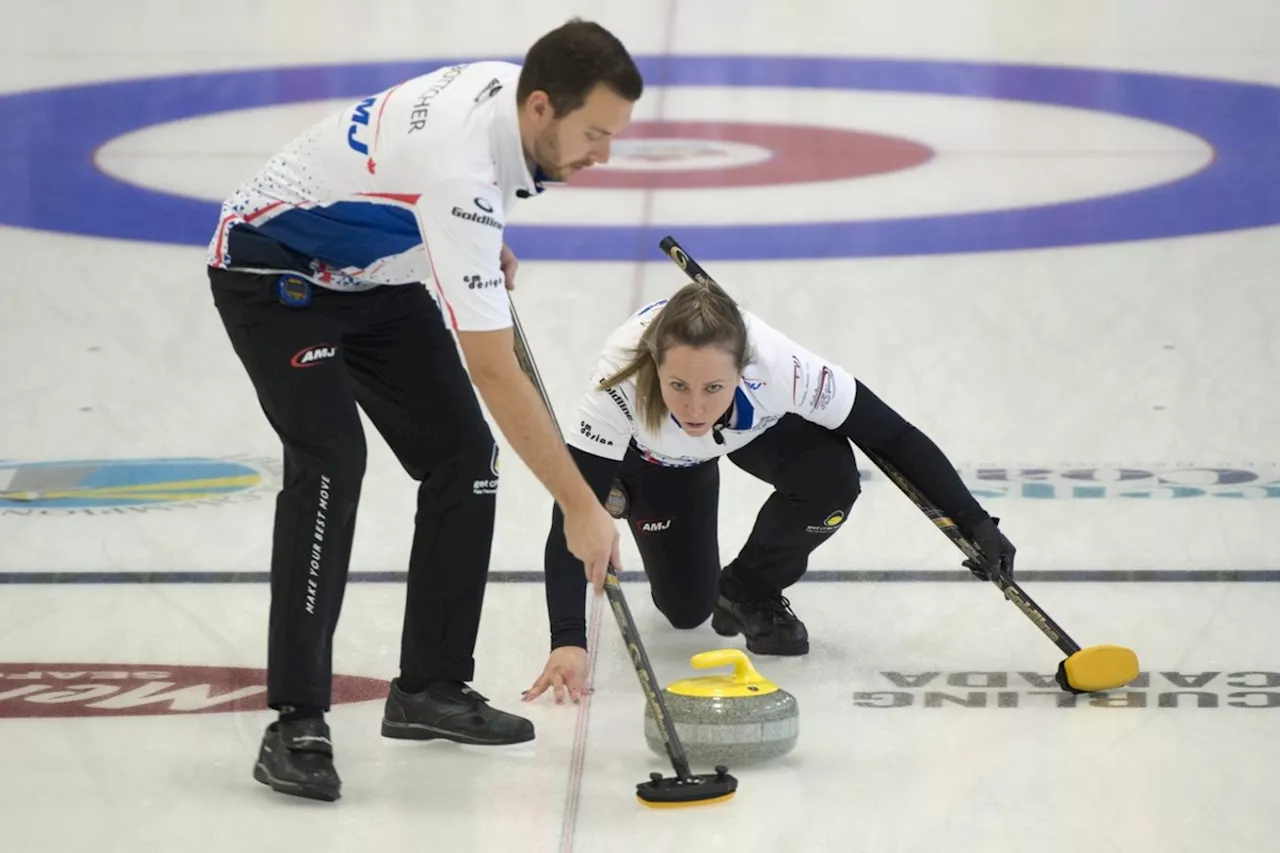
(548, 158)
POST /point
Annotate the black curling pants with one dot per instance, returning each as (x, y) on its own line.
(388, 352)
(673, 514)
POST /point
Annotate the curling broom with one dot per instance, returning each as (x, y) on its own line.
(1085, 670)
(685, 788)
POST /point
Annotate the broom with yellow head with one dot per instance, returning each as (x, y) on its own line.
(1085, 670)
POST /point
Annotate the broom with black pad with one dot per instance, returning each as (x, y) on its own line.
(685, 788)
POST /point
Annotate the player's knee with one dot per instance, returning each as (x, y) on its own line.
(826, 500)
(688, 613)
(833, 482)
(479, 459)
(469, 457)
(845, 483)
(342, 465)
(327, 479)
(687, 618)
(477, 448)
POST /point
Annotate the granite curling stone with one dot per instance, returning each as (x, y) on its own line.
(735, 719)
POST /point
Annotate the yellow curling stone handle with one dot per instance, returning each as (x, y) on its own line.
(744, 681)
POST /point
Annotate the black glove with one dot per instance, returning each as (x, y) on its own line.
(997, 551)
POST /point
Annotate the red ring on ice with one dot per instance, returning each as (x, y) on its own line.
(800, 154)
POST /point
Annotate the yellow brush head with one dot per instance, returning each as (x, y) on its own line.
(1101, 668)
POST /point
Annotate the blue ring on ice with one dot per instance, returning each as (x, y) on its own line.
(50, 180)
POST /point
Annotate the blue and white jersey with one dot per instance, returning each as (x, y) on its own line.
(782, 378)
(412, 184)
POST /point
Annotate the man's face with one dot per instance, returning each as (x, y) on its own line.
(564, 144)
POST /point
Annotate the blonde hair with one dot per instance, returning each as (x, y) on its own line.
(700, 314)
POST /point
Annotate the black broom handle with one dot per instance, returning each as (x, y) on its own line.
(617, 601)
(1010, 589)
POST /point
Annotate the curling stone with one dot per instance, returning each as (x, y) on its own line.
(735, 719)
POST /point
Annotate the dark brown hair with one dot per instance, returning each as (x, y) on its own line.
(700, 314)
(571, 60)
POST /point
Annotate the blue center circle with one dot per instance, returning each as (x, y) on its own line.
(50, 181)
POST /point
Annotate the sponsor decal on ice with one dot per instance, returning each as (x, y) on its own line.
(1241, 688)
(136, 689)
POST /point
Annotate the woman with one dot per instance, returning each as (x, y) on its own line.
(683, 382)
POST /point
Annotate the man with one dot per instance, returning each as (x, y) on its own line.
(318, 269)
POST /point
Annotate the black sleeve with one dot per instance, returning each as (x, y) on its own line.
(565, 579)
(873, 424)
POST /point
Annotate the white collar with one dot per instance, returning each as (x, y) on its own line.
(513, 169)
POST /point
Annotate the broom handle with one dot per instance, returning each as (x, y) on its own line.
(1012, 592)
(1010, 589)
(613, 588)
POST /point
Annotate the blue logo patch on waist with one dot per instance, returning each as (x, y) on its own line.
(293, 290)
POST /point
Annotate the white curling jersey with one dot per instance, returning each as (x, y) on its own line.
(783, 378)
(410, 185)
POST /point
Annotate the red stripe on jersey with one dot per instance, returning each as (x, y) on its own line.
(403, 198)
(377, 124)
(257, 214)
(222, 231)
(453, 320)
(222, 226)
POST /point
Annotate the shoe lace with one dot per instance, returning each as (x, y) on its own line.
(778, 609)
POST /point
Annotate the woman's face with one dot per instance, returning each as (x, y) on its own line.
(697, 385)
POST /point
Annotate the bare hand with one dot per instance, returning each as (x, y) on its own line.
(566, 671)
(508, 262)
(592, 536)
